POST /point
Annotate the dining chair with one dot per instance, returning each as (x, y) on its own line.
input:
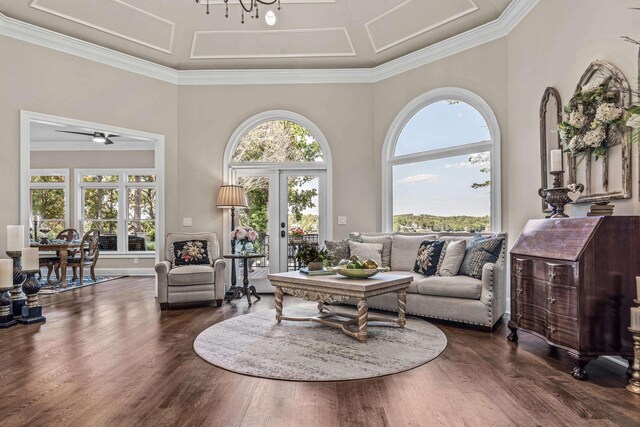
(53, 262)
(87, 255)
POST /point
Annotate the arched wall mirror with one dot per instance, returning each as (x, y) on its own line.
(550, 117)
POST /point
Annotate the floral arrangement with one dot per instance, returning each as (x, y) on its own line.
(589, 117)
(244, 236)
(296, 231)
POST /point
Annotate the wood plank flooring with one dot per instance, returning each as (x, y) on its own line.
(108, 356)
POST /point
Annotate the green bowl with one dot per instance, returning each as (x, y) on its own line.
(356, 273)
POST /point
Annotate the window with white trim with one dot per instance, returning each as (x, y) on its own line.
(439, 169)
(121, 204)
(49, 196)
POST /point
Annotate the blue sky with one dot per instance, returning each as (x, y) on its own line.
(441, 187)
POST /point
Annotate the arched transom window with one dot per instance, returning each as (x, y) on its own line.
(440, 165)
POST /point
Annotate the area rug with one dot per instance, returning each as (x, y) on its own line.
(50, 289)
(254, 344)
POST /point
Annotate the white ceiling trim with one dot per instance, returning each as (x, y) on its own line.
(91, 146)
(347, 39)
(494, 30)
(473, 7)
(168, 49)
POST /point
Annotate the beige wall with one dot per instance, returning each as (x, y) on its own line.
(553, 46)
(46, 81)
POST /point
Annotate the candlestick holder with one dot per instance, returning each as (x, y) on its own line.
(557, 196)
(6, 316)
(18, 298)
(634, 382)
(32, 311)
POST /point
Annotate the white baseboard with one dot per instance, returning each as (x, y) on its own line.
(125, 271)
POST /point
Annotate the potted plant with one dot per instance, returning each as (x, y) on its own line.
(296, 234)
(313, 258)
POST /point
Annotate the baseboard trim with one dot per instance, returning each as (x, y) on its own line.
(125, 271)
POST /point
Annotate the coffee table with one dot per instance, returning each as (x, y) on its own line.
(337, 289)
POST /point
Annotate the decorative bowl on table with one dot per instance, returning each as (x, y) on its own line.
(356, 273)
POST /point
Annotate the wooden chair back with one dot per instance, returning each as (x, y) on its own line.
(90, 245)
(68, 235)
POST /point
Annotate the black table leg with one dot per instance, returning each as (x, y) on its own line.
(245, 280)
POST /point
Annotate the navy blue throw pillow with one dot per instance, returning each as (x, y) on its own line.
(191, 252)
(428, 257)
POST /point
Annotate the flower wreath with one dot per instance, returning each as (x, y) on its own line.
(588, 118)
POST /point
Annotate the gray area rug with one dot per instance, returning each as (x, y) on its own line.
(254, 344)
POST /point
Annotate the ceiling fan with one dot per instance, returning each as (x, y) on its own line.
(105, 138)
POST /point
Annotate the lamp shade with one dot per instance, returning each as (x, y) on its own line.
(231, 196)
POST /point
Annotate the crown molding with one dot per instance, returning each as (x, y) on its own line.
(491, 31)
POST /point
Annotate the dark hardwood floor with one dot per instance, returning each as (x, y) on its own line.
(108, 356)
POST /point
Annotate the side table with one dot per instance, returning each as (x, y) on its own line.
(234, 291)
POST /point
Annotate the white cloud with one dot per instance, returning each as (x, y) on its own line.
(423, 177)
(459, 165)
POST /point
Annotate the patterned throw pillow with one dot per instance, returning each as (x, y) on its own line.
(191, 252)
(428, 257)
(340, 249)
(480, 251)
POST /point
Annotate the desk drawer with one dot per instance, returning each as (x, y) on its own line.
(562, 300)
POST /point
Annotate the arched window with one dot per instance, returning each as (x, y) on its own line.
(441, 165)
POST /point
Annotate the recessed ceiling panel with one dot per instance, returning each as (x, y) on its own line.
(412, 18)
(114, 17)
(272, 43)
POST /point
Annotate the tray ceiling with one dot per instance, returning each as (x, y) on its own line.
(308, 33)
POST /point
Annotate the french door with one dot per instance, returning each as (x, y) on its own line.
(278, 200)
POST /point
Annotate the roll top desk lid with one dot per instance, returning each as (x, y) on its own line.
(562, 238)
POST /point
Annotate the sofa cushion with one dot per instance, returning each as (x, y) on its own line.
(339, 248)
(365, 251)
(452, 259)
(428, 257)
(480, 251)
(386, 241)
(404, 250)
(454, 287)
(191, 275)
(413, 287)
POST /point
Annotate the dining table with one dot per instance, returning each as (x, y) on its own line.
(63, 249)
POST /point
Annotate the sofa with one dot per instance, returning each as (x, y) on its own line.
(191, 283)
(463, 299)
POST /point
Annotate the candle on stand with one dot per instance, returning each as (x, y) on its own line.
(638, 288)
(6, 274)
(30, 259)
(635, 318)
(555, 165)
(15, 238)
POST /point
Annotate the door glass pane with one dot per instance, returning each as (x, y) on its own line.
(451, 194)
(303, 218)
(256, 216)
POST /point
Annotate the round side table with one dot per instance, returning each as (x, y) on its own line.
(234, 291)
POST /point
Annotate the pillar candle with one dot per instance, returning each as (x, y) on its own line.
(635, 318)
(6, 274)
(30, 259)
(555, 164)
(15, 237)
(638, 288)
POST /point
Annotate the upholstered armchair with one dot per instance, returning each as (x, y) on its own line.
(191, 283)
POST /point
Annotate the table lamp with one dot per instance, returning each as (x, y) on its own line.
(232, 197)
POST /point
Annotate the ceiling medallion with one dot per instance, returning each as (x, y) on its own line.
(253, 5)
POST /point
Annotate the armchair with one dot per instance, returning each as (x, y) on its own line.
(192, 283)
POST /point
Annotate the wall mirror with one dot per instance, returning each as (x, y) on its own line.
(550, 117)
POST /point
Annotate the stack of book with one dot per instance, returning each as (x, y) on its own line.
(323, 272)
(600, 209)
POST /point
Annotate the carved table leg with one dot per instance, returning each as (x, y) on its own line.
(320, 307)
(363, 314)
(630, 369)
(402, 308)
(254, 293)
(278, 297)
(513, 336)
(64, 255)
(245, 281)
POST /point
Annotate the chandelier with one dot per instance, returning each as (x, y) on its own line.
(252, 5)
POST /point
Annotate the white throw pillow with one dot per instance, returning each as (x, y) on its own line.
(365, 251)
(453, 258)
